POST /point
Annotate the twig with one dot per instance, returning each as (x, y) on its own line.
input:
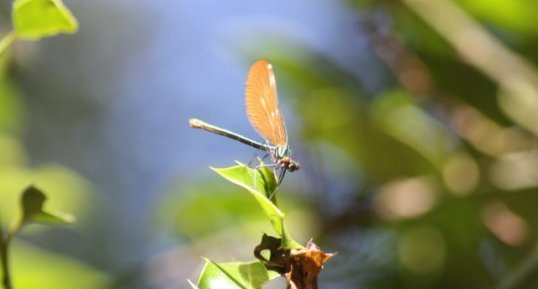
(4, 253)
(523, 274)
(6, 42)
(3, 257)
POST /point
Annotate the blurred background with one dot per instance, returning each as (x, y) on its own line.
(415, 122)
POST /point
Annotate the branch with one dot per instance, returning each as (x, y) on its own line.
(6, 42)
(523, 274)
(5, 241)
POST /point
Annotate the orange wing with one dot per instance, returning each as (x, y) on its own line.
(262, 103)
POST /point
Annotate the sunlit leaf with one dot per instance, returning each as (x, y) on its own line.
(34, 268)
(515, 14)
(32, 202)
(236, 275)
(261, 183)
(34, 19)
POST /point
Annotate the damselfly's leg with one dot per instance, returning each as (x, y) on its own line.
(281, 175)
(260, 160)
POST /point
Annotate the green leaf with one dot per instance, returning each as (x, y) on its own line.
(261, 183)
(35, 19)
(32, 202)
(234, 275)
(66, 190)
(38, 268)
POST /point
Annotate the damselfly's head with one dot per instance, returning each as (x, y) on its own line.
(289, 164)
(282, 155)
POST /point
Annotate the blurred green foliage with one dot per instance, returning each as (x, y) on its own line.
(34, 267)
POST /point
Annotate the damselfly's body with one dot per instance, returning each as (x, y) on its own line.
(264, 115)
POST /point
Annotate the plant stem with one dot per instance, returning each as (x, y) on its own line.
(523, 274)
(6, 41)
(4, 260)
(4, 253)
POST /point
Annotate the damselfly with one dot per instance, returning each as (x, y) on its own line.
(265, 116)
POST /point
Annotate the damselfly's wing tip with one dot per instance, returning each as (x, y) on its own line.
(261, 61)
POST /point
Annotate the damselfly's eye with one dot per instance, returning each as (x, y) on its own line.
(293, 166)
(289, 164)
